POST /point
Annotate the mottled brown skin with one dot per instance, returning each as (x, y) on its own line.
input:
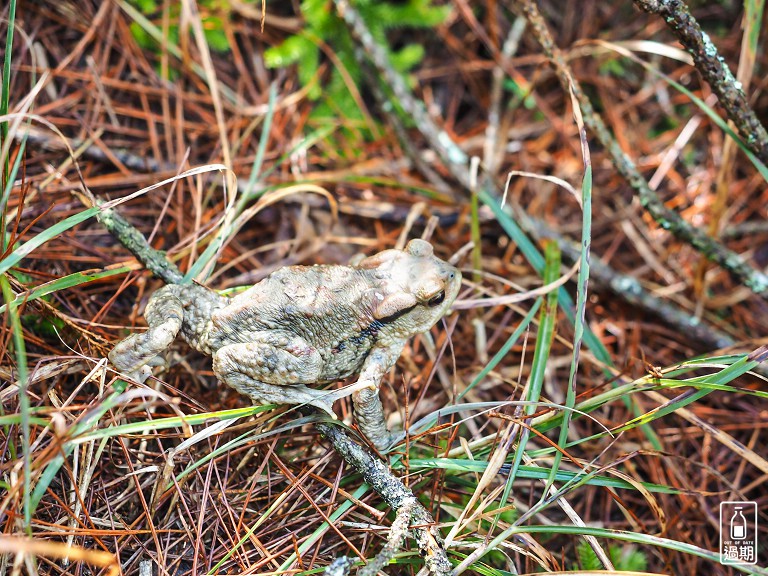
(304, 325)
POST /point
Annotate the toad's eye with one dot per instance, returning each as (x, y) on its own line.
(437, 299)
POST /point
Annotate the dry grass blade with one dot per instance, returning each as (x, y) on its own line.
(27, 546)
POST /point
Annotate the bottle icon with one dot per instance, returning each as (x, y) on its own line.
(738, 525)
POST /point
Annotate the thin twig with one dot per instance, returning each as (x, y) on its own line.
(714, 70)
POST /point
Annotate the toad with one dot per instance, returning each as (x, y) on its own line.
(302, 326)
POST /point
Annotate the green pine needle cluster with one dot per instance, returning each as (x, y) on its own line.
(624, 558)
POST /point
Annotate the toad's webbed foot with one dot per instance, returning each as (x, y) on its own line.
(136, 355)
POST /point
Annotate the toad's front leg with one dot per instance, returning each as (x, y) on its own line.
(369, 411)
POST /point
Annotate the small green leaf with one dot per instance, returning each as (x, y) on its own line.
(216, 37)
(408, 57)
(292, 50)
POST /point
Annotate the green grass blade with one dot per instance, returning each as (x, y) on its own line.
(5, 93)
(258, 161)
(25, 249)
(536, 260)
(9, 184)
(466, 466)
(4, 103)
(546, 334)
(541, 354)
(624, 536)
(63, 283)
(706, 384)
(581, 306)
(20, 350)
(79, 437)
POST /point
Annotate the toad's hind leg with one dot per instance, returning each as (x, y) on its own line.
(273, 369)
(136, 355)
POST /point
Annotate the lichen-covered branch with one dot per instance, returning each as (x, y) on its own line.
(134, 241)
(714, 70)
(395, 494)
(668, 219)
(397, 534)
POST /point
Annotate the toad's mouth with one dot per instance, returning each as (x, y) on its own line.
(392, 317)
